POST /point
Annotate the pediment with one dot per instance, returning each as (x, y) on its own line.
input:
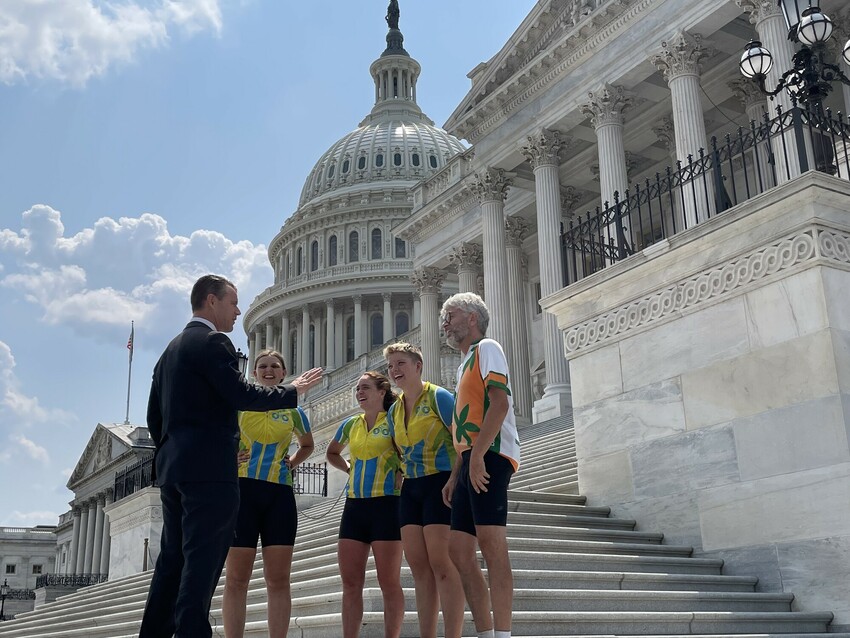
(102, 448)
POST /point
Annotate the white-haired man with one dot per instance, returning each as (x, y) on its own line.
(485, 436)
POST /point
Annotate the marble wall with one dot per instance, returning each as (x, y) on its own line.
(133, 521)
(720, 415)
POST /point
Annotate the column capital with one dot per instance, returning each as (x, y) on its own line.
(570, 197)
(760, 9)
(681, 55)
(665, 131)
(467, 256)
(330, 303)
(387, 296)
(491, 185)
(747, 92)
(428, 280)
(357, 299)
(607, 105)
(516, 229)
(544, 147)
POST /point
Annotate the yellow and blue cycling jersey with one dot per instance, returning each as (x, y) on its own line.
(426, 440)
(373, 461)
(267, 436)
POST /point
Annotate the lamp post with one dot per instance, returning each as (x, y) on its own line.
(4, 591)
(243, 361)
(811, 77)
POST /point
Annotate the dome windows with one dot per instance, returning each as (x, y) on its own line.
(402, 323)
(396, 159)
(331, 171)
(414, 159)
(379, 160)
(353, 246)
(377, 240)
(361, 163)
(332, 250)
(346, 166)
(400, 249)
(299, 260)
(432, 160)
(314, 256)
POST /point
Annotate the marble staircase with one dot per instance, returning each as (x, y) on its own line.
(578, 571)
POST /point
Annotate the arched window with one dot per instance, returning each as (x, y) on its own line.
(397, 159)
(377, 330)
(379, 160)
(414, 159)
(349, 339)
(314, 255)
(402, 323)
(400, 249)
(332, 251)
(288, 265)
(377, 253)
(331, 171)
(433, 161)
(361, 162)
(299, 260)
(311, 355)
(345, 166)
(354, 246)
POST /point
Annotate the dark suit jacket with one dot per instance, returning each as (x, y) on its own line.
(192, 411)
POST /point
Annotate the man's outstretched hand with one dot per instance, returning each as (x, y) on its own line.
(307, 380)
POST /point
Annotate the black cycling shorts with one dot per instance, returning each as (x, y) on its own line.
(370, 519)
(483, 508)
(266, 511)
(422, 501)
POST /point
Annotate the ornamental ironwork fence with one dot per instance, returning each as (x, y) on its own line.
(20, 594)
(133, 478)
(310, 478)
(69, 580)
(732, 170)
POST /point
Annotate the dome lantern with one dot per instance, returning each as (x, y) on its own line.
(395, 73)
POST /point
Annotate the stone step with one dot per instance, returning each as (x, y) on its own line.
(516, 530)
(537, 470)
(574, 561)
(567, 520)
(525, 496)
(562, 485)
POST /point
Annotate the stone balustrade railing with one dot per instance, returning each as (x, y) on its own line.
(457, 168)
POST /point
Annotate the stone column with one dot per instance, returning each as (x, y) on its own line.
(90, 538)
(317, 341)
(467, 258)
(330, 336)
(417, 312)
(107, 540)
(284, 342)
(428, 281)
(491, 187)
(388, 316)
(98, 536)
(542, 152)
(358, 325)
(516, 229)
(773, 34)
(270, 334)
(80, 559)
(606, 109)
(303, 355)
(680, 62)
(755, 103)
(71, 560)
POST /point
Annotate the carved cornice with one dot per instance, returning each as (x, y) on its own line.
(760, 9)
(681, 55)
(467, 256)
(516, 229)
(136, 519)
(491, 185)
(608, 105)
(543, 148)
(811, 244)
(428, 280)
(440, 213)
(609, 19)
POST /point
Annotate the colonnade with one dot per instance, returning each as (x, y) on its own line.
(87, 551)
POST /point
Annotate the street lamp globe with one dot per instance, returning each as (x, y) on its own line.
(814, 28)
(846, 53)
(756, 61)
(794, 10)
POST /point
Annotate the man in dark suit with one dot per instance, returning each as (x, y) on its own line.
(192, 417)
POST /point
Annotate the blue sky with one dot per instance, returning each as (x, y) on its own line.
(148, 141)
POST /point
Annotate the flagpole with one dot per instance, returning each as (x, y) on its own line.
(130, 345)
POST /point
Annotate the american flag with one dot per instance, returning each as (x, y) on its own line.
(131, 339)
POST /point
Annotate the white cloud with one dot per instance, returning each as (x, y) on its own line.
(16, 407)
(101, 278)
(74, 40)
(31, 448)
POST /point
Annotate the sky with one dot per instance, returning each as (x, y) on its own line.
(146, 142)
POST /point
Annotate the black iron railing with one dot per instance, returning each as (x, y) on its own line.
(69, 580)
(310, 478)
(20, 594)
(133, 478)
(731, 171)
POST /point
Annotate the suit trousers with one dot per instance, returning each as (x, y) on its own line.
(198, 525)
